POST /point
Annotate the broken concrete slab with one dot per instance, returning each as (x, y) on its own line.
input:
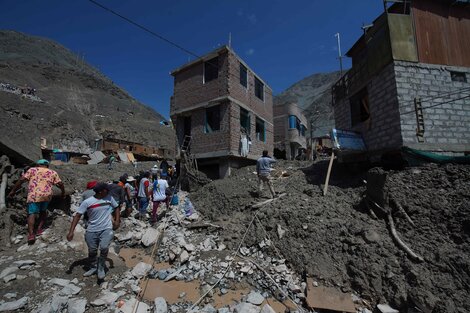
(328, 299)
(96, 157)
(385, 308)
(14, 305)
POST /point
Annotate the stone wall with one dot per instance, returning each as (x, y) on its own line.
(447, 125)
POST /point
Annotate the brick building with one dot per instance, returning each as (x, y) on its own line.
(289, 130)
(216, 100)
(409, 81)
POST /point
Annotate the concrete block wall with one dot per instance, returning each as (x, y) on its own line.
(383, 131)
(447, 126)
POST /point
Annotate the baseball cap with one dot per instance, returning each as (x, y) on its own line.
(91, 184)
(43, 162)
(100, 187)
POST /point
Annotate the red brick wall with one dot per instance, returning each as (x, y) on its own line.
(190, 90)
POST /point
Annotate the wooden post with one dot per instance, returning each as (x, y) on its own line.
(3, 187)
(330, 165)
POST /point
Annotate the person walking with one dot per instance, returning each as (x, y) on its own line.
(131, 190)
(164, 169)
(263, 169)
(111, 161)
(144, 194)
(103, 219)
(158, 196)
(40, 181)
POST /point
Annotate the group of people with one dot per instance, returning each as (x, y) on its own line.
(102, 205)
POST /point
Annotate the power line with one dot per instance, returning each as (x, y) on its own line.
(437, 104)
(161, 37)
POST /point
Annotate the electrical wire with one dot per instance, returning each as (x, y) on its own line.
(163, 38)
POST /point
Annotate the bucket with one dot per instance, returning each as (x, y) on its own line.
(174, 200)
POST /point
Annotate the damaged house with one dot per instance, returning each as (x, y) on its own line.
(224, 109)
(409, 84)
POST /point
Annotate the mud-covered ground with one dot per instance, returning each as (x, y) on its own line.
(337, 241)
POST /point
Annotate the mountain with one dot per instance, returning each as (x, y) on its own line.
(73, 103)
(313, 94)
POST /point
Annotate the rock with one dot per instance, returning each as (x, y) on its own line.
(134, 306)
(245, 269)
(231, 275)
(223, 310)
(10, 277)
(34, 274)
(14, 305)
(246, 308)
(371, 236)
(69, 290)
(295, 288)
(267, 309)
(59, 281)
(208, 309)
(76, 305)
(125, 237)
(281, 268)
(244, 251)
(160, 305)
(184, 257)
(174, 274)
(8, 271)
(150, 236)
(315, 284)
(385, 308)
(141, 269)
(280, 231)
(255, 298)
(182, 295)
(189, 247)
(106, 298)
(24, 263)
(162, 274)
(10, 295)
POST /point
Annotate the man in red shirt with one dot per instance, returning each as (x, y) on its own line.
(40, 181)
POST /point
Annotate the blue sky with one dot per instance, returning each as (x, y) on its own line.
(282, 41)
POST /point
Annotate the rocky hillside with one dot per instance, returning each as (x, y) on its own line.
(313, 94)
(73, 104)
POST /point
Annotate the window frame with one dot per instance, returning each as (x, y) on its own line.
(204, 71)
(246, 75)
(359, 109)
(259, 82)
(248, 114)
(263, 123)
(208, 110)
(459, 77)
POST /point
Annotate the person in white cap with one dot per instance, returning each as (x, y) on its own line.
(41, 179)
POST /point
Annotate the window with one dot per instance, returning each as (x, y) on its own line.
(359, 107)
(243, 75)
(303, 130)
(245, 121)
(211, 69)
(259, 89)
(260, 130)
(458, 77)
(212, 119)
(292, 121)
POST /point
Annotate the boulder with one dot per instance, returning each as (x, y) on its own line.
(8, 271)
(59, 282)
(76, 305)
(150, 236)
(69, 290)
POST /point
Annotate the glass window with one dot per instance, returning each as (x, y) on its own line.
(243, 75)
(292, 121)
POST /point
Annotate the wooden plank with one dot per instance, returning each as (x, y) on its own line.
(327, 181)
(328, 299)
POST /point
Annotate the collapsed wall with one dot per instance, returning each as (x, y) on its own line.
(336, 240)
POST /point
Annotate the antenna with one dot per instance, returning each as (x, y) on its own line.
(340, 57)
(230, 40)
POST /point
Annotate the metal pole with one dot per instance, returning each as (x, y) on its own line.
(340, 57)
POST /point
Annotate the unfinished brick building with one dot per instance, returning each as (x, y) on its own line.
(409, 81)
(218, 101)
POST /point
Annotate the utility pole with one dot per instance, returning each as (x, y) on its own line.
(340, 57)
(230, 40)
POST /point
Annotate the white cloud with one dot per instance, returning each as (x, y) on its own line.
(250, 51)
